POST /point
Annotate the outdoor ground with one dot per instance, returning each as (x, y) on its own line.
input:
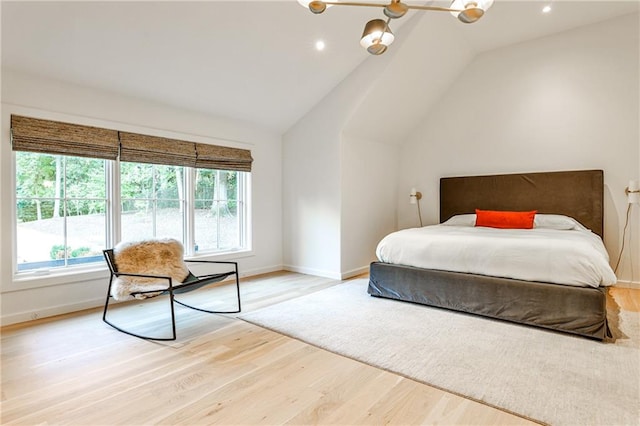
(36, 239)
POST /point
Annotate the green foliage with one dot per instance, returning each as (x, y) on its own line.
(84, 180)
(216, 185)
(136, 180)
(60, 251)
(80, 252)
(55, 177)
(142, 182)
(27, 210)
(35, 175)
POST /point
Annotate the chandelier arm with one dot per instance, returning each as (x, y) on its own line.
(409, 6)
(348, 3)
(436, 8)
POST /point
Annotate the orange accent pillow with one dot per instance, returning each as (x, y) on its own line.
(504, 219)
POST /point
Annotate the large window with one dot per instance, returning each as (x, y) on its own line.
(65, 213)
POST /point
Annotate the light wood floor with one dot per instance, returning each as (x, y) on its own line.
(74, 369)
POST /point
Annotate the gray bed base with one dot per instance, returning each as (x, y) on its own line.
(576, 310)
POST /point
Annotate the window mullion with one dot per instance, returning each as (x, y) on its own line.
(240, 208)
(154, 200)
(217, 201)
(245, 197)
(114, 203)
(65, 212)
(189, 210)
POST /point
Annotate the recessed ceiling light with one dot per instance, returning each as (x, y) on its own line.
(320, 45)
(546, 9)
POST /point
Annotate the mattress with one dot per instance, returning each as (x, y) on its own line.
(569, 257)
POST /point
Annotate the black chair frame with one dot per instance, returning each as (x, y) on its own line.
(192, 282)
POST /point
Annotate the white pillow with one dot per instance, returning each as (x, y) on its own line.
(461, 220)
(557, 221)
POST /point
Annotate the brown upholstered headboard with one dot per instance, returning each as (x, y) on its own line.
(579, 194)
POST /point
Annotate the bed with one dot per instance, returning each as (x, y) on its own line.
(577, 309)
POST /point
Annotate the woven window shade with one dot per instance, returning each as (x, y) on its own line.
(223, 158)
(152, 149)
(53, 137)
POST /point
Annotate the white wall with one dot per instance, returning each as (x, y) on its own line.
(369, 181)
(311, 199)
(564, 102)
(28, 95)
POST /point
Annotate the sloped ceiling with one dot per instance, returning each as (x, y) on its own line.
(255, 61)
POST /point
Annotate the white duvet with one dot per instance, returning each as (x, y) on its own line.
(571, 257)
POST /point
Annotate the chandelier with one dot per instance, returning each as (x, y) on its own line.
(377, 35)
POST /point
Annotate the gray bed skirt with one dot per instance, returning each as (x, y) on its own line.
(576, 310)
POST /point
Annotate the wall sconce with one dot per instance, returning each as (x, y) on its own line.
(414, 198)
(633, 192)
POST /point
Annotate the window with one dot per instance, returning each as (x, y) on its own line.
(63, 217)
(80, 189)
(60, 210)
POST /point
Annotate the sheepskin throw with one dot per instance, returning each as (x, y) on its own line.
(151, 257)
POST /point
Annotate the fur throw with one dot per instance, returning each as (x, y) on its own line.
(151, 257)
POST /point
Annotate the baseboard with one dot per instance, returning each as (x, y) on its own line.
(628, 284)
(355, 272)
(50, 311)
(327, 274)
(260, 271)
(312, 271)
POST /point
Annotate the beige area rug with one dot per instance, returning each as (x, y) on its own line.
(546, 376)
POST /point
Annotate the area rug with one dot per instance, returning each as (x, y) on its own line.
(546, 376)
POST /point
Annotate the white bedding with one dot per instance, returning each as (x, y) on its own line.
(571, 257)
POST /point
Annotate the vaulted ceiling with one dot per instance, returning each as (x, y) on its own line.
(256, 61)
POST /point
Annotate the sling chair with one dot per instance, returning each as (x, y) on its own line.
(172, 288)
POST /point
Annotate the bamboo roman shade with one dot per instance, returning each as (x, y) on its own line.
(223, 158)
(53, 137)
(152, 149)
